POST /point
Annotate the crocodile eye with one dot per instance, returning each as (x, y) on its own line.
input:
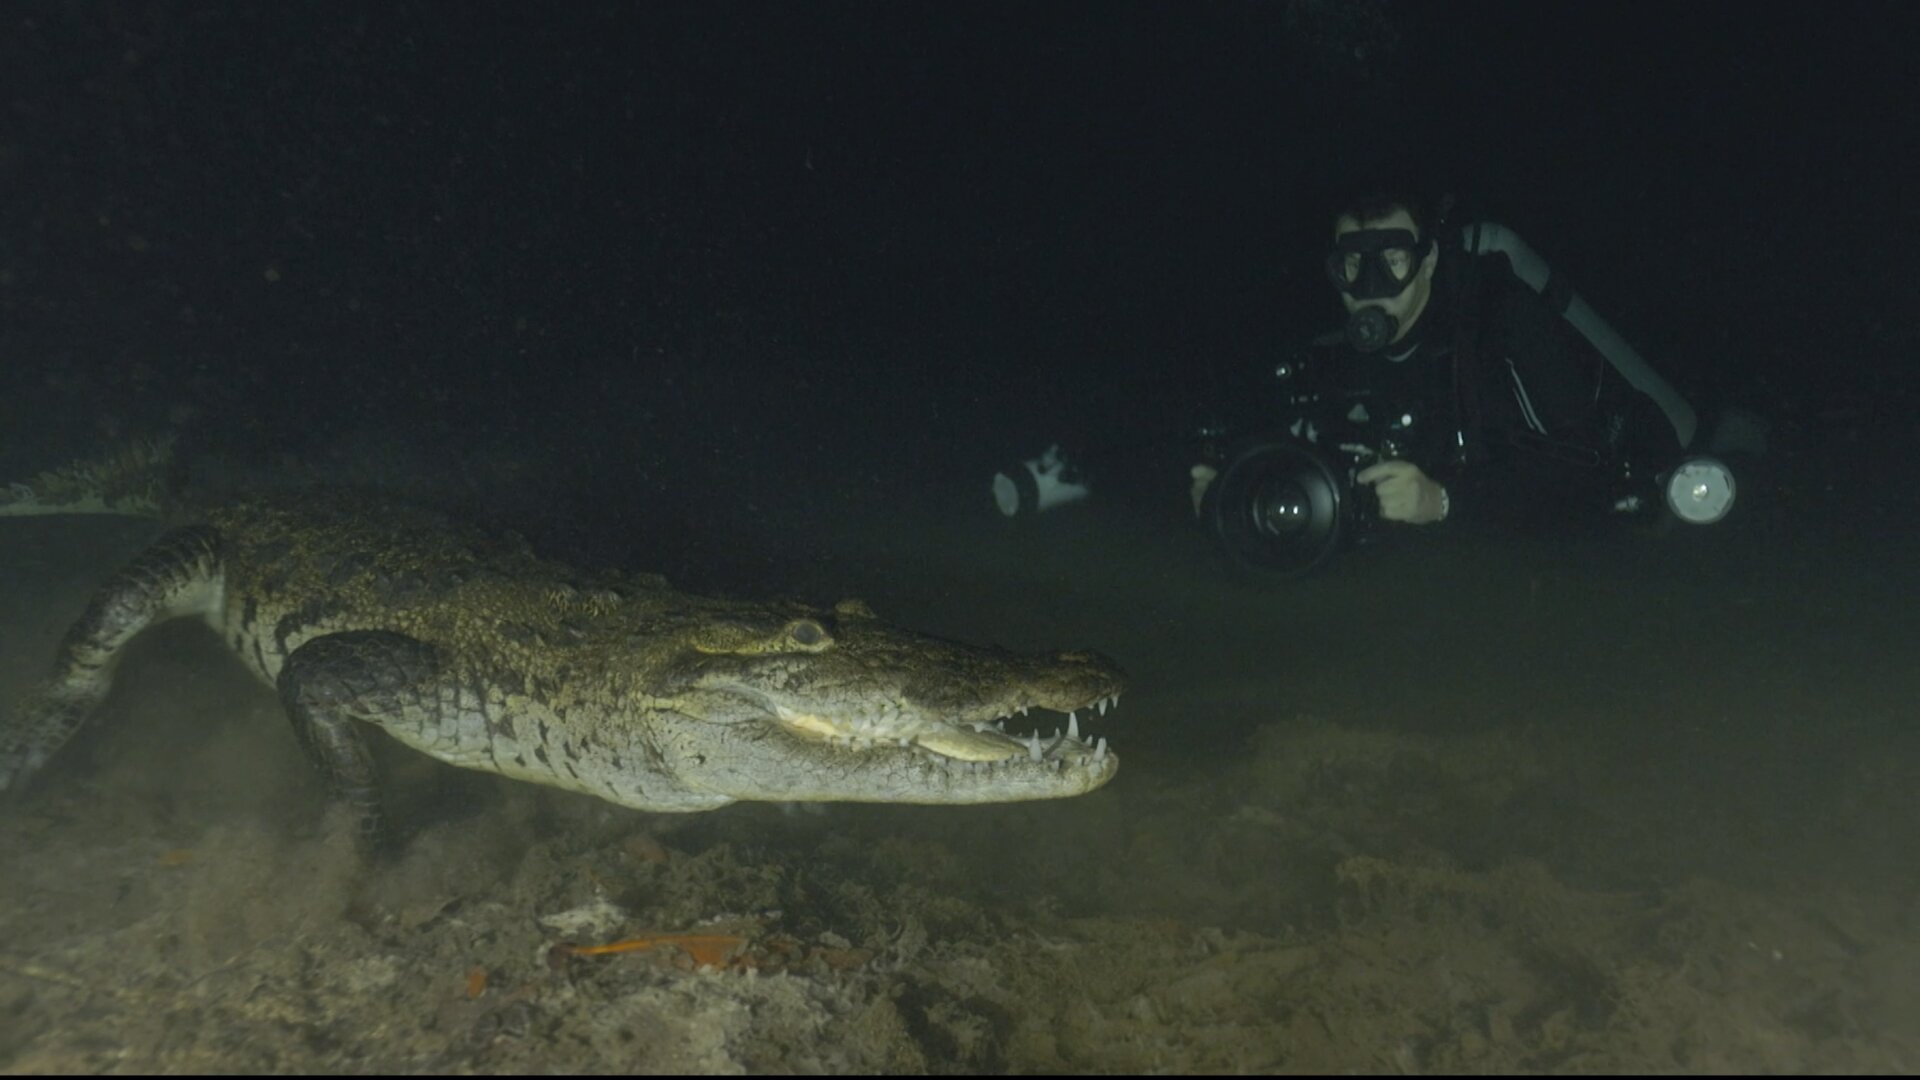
(806, 632)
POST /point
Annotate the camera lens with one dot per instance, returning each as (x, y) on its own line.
(1276, 507)
(1282, 509)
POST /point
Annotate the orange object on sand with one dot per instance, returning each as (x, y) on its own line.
(706, 950)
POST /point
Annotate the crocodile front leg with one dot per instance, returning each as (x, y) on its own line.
(179, 575)
(372, 676)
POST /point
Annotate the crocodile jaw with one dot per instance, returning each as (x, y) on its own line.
(778, 766)
(798, 756)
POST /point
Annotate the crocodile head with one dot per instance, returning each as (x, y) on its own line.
(802, 705)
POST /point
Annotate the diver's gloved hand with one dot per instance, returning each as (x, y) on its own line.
(1406, 494)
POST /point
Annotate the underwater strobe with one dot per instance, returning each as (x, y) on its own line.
(1281, 507)
(1037, 484)
(1700, 490)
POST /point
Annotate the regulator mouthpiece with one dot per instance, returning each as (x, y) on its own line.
(1371, 329)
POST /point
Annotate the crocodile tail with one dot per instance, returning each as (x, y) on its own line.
(135, 480)
(179, 575)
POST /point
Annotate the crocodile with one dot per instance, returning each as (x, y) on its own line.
(466, 645)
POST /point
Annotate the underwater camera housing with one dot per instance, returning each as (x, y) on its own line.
(1286, 499)
(1283, 506)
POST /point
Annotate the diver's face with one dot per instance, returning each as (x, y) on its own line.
(1406, 307)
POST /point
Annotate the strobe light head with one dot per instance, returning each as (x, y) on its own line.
(1700, 490)
(1037, 484)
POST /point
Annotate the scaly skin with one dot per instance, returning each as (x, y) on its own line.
(476, 652)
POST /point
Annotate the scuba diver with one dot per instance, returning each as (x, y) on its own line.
(1481, 386)
(1470, 384)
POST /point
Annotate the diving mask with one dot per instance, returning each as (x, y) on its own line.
(1376, 264)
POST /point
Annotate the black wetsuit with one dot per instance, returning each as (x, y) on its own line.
(1511, 409)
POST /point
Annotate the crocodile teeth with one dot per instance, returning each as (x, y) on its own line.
(1073, 725)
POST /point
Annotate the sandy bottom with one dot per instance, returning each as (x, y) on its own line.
(1460, 804)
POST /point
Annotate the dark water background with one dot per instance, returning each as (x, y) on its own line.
(885, 245)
